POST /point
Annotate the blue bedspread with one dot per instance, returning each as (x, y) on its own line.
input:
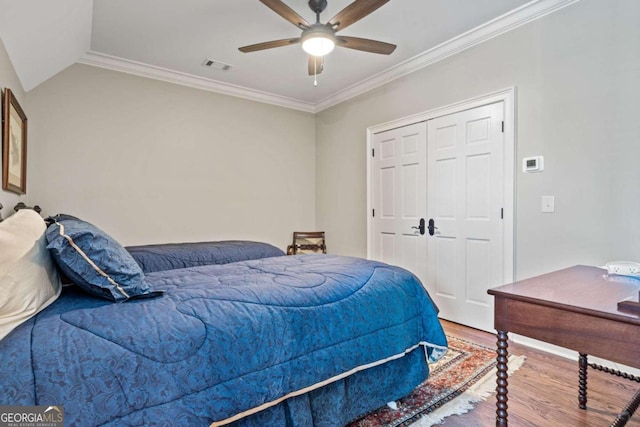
(222, 340)
(182, 255)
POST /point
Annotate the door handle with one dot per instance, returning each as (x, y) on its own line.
(420, 226)
(432, 228)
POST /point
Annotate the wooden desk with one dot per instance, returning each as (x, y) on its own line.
(575, 308)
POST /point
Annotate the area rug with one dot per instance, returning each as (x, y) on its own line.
(463, 377)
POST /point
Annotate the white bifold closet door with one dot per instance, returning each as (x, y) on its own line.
(449, 172)
(465, 200)
(400, 197)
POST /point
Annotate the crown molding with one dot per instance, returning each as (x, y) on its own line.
(115, 63)
(511, 20)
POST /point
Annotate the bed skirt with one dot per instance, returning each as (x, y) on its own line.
(338, 403)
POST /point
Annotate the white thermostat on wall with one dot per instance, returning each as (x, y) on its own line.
(533, 164)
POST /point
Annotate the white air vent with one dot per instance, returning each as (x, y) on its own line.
(210, 63)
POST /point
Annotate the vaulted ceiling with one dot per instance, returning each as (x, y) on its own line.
(170, 39)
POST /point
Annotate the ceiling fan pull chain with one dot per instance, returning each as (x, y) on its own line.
(315, 72)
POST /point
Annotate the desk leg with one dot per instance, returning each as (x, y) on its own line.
(501, 381)
(582, 380)
(627, 412)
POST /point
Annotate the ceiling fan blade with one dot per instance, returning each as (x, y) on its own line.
(354, 12)
(315, 65)
(366, 45)
(268, 45)
(287, 13)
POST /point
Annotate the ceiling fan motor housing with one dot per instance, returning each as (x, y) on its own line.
(317, 5)
(318, 30)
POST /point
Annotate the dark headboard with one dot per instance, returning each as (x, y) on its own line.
(23, 206)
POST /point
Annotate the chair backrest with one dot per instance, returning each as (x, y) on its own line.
(307, 242)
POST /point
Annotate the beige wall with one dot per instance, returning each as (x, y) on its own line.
(576, 73)
(9, 79)
(150, 161)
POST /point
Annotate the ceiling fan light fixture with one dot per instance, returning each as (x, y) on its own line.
(319, 45)
(318, 40)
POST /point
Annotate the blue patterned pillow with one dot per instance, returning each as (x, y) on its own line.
(94, 260)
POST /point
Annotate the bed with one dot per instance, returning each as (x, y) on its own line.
(268, 340)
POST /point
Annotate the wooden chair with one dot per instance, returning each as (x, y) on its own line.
(307, 242)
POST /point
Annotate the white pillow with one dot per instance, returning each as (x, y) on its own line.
(29, 281)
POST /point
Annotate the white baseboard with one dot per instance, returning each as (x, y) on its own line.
(570, 354)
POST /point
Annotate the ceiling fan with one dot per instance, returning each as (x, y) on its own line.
(319, 39)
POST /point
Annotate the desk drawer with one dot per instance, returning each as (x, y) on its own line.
(597, 336)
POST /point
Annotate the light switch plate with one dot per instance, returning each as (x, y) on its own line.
(548, 204)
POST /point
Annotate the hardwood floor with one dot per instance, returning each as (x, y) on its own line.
(544, 391)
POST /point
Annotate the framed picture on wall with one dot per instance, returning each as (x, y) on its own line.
(14, 145)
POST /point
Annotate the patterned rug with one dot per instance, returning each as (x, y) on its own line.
(464, 376)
